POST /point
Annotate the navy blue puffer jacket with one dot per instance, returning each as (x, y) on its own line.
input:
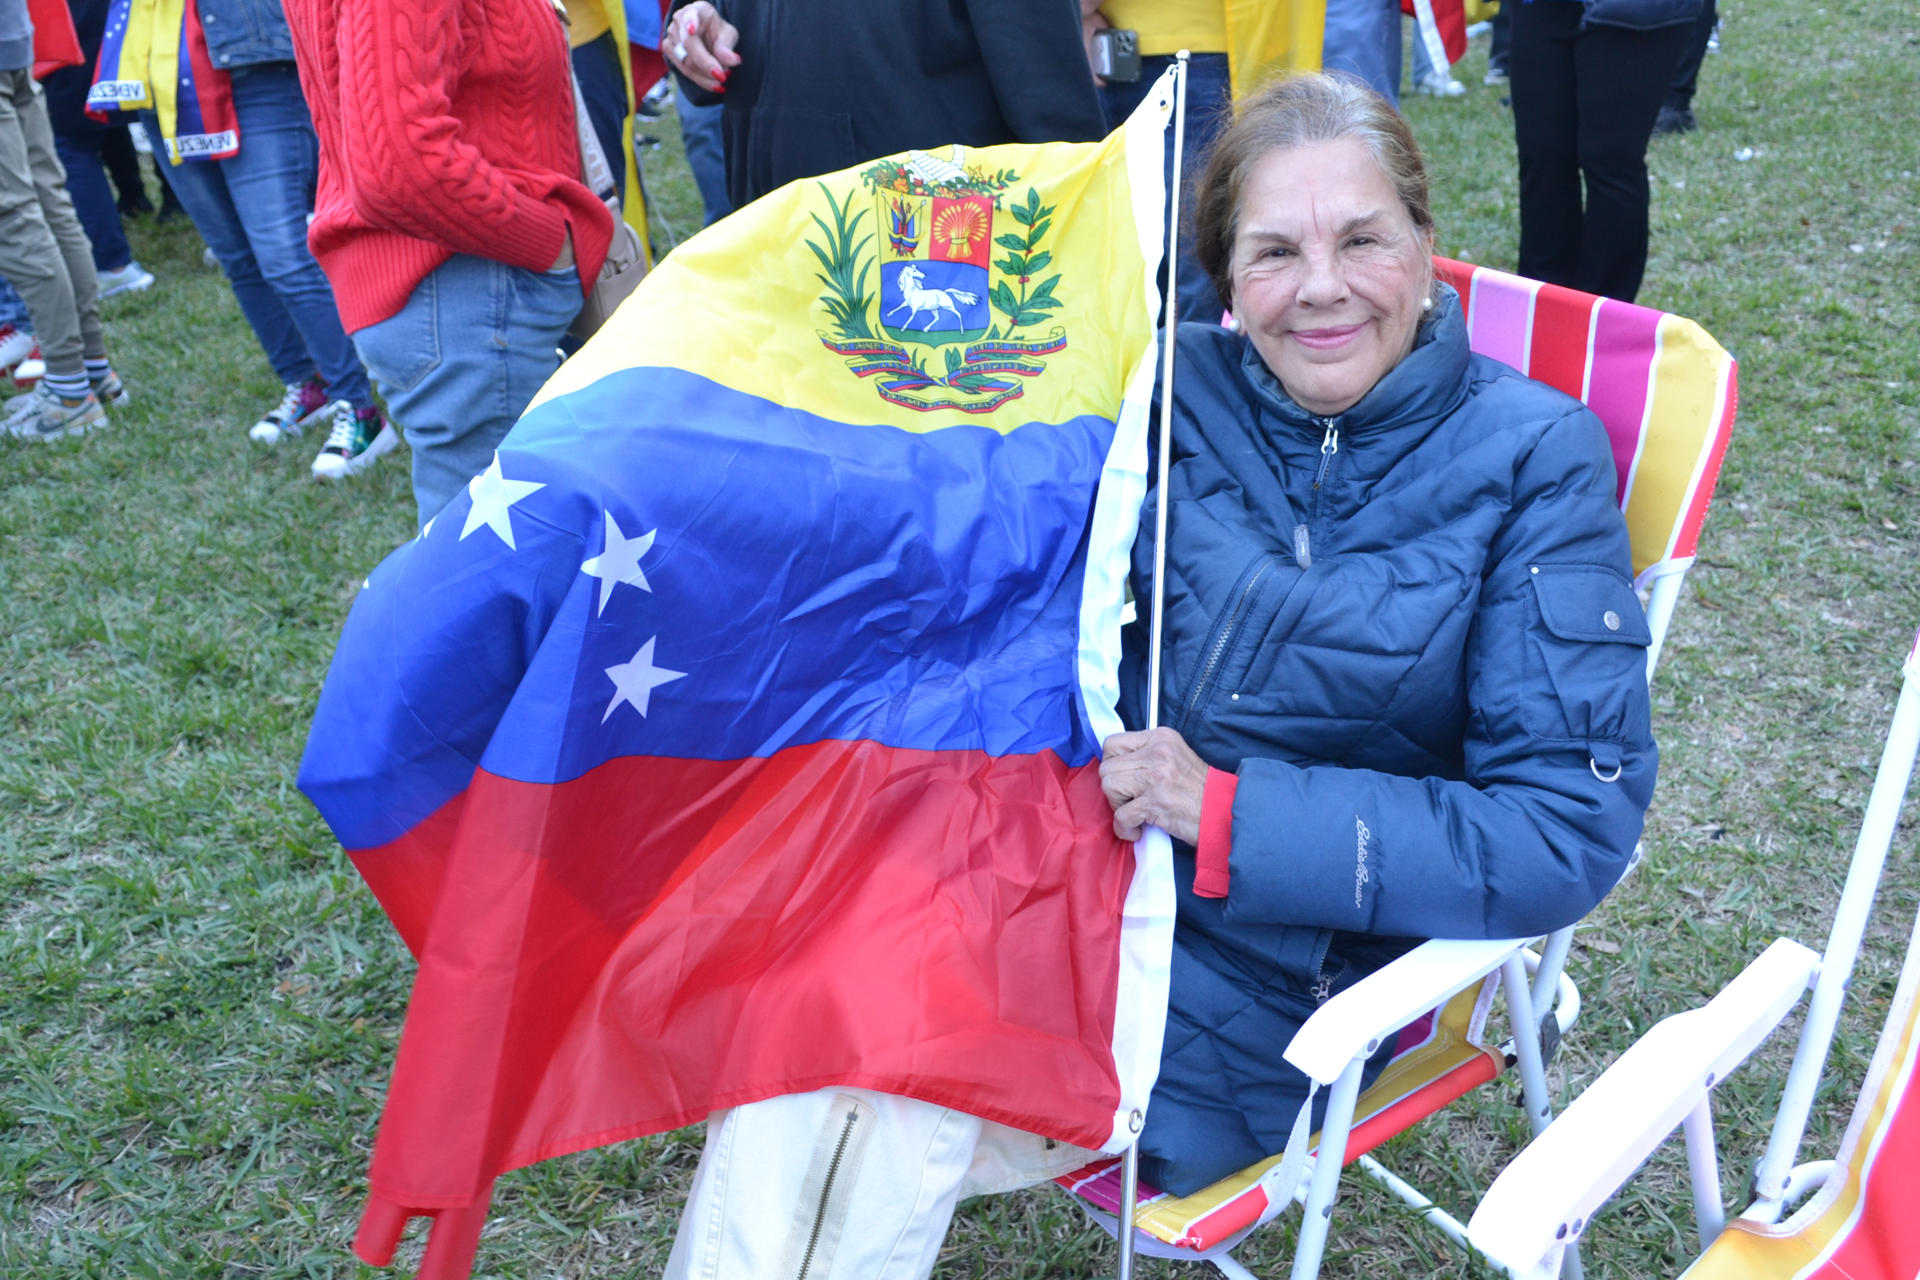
(1410, 630)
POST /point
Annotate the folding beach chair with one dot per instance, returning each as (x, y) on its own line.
(1666, 392)
(1861, 1222)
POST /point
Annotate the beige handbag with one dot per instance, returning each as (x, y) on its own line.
(626, 261)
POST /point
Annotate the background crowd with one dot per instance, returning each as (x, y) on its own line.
(401, 213)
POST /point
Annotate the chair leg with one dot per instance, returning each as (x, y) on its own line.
(1526, 1043)
(1533, 1072)
(1326, 1172)
(1231, 1268)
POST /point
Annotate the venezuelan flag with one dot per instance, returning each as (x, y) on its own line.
(737, 732)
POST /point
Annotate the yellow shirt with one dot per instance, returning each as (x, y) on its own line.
(1168, 26)
(1259, 37)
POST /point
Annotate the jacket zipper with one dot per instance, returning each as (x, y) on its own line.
(1329, 445)
(1224, 635)
(826, 1193)
(1322, 983)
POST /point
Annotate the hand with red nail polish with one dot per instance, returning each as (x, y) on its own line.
(701, 46)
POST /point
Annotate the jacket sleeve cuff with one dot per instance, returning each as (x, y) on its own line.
(1212, 868)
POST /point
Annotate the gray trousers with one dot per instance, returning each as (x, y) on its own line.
(43, 252)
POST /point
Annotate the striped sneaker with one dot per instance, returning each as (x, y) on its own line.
(108, 389)
(359, 437)
(304, 404)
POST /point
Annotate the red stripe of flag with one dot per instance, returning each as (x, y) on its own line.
(664, 958)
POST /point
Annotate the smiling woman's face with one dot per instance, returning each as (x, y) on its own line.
(1329, 272)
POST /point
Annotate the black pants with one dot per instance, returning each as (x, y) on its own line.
(1686, 76)
(1584, 103)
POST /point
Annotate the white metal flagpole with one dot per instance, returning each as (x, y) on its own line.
(1130, 1162)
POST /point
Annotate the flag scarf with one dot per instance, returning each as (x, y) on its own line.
(154, 54)
(736, 733)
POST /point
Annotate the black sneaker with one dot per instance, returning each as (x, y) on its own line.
(1674, 120)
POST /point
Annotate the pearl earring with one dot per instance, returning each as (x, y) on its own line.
(1426, 304)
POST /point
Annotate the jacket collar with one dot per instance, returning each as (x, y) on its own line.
(1427, 384)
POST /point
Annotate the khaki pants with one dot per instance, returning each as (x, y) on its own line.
(43, 252)
(844, 1184)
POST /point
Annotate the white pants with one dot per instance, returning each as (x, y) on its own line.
(844, 1184)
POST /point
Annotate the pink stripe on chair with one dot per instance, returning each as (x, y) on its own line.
(1501, 321)
(1621, 374)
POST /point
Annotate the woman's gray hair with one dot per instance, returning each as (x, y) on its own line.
(1297, 111)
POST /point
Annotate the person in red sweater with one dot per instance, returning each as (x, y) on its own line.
(451, 217)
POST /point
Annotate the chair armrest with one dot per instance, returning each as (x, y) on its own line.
(1547, 1195)
(1353, 1022)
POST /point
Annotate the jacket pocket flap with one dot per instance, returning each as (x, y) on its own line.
(1588, 602)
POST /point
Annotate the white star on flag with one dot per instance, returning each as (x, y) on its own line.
(619, 562)
(635, 681)
(427, 528)
(493, 494)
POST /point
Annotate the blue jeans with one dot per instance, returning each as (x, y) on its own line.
(252, 211)
(12, 310)
(93, 198)
(706, 156)
(457, 364)
(1209, 103)
(1363, 40)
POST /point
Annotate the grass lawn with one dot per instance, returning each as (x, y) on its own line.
(199, 1002)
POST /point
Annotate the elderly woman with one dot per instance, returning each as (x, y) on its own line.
(1402, 691)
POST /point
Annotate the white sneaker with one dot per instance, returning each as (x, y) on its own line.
(131, 278)
(29, 371)
(15, 346)
(1439, 84)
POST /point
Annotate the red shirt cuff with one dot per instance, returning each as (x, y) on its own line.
(1216, 835)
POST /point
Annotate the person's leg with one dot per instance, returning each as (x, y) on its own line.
(706, 156)
(1363, 40)
(122, 161)
(93, 199)
(596, 66)
(1620, 77)
(1546, 138)
(843, 1184)
(13, 312)
(1499, 42)
(1676, 112)
(458, 363)
(270, 183)
(201, 187)
(1422, 60)
(39, 233)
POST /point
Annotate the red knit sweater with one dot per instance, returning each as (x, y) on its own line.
(446, 126)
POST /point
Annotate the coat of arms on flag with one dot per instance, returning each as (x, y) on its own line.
(953, 326)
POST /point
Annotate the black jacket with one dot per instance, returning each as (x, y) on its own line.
(828, 84)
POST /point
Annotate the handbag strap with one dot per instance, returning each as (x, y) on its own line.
(594, 170)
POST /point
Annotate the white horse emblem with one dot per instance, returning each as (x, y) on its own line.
(914, 300)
